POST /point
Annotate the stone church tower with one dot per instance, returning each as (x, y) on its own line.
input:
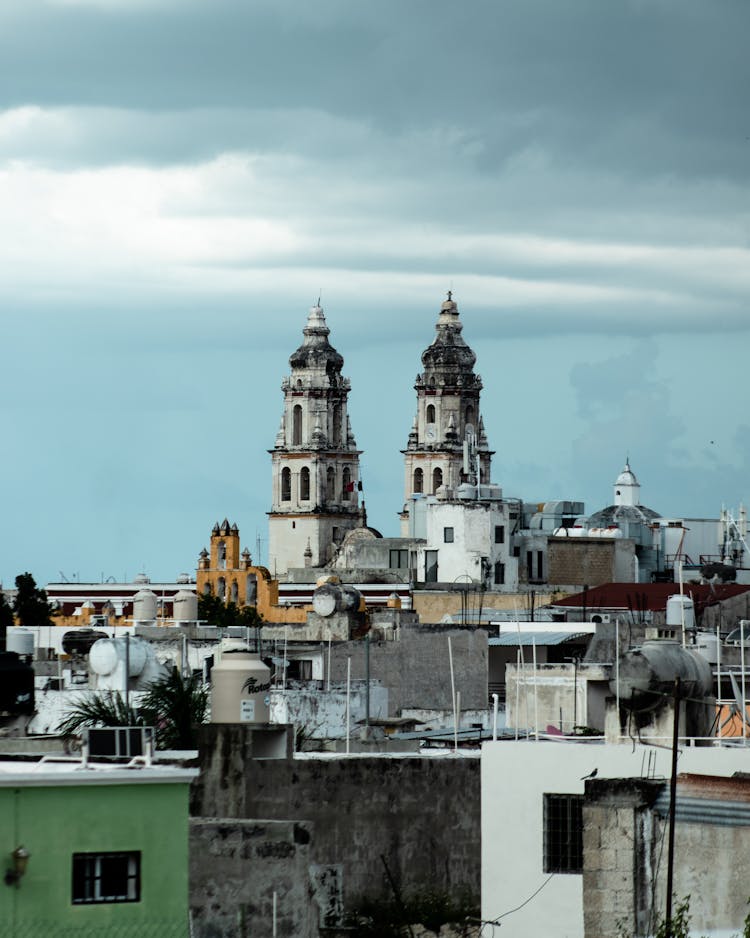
(315, 459)
(447, 444)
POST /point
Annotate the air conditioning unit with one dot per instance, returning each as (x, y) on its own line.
(121, 742)
(599, 617)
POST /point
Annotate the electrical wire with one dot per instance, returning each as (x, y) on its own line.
(496, 921)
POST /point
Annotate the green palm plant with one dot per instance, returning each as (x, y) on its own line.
(173, 705)
(103, 709)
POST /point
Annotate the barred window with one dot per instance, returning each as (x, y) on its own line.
(563, 833)
(106, 877)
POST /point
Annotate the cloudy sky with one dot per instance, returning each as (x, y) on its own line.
(179, 179)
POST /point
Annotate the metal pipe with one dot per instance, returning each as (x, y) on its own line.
(348, 692)
(367, 679)
(617, 671)
(453, 688)
(744, 695)
(518, 690)
(127, 669)
(536, 692)
(494, 716)
(718, 675)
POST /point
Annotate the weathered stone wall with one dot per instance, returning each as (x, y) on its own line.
(236, 866)
(625, 854)
(421, 814)
(432, 605)
(618, 848)
(416, 668)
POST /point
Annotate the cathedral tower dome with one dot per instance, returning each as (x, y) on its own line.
(448, 357)
(447, 444)
(316, 351)
(315, 460)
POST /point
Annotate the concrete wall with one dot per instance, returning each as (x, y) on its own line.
(321, 713)
(416, 669)
(420, 813)
(236, 867)
(555, 693)
(515, 777)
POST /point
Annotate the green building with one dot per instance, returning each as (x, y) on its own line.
(93, 852)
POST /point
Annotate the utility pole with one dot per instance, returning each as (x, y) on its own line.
(672, 807)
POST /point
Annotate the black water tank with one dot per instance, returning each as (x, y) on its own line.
(16, 685)
(79, 641)
(647, 674)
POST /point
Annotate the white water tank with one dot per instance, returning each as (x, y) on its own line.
(20, 640)
(144, 606)
(108, 654)
(240, 686)
(675, 606)
(185, 606)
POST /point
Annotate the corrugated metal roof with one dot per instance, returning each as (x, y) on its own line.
(536, 638)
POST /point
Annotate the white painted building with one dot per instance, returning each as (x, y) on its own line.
(467, 538)
(517, 891)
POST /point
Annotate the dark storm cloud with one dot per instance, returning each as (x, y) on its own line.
(647, 88)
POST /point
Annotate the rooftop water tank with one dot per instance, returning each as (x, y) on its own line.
(81, 641)
(16, 685)
(144, 606)
(647, 674)
(185, 606)
(108, 653)
(675, 606)
(240, 686)
(21, 641)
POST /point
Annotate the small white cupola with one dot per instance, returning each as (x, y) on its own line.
(627, 489)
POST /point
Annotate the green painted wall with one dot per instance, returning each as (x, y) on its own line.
(53, 823)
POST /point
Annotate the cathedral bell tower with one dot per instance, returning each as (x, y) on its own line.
(447, 444)
(315, 460)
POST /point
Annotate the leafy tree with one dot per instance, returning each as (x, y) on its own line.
(31, 604)
(216, 612)
(6, 619)
(172, 704)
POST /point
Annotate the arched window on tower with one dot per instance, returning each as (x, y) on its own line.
(331, 484)
(251, 589)
(297, 425)
(470, 414)
(418, 480)
(437, 479)
(430, 413)
(346, 484)
(304, 485)
(221, 589)
(286, 484)
(206, 588)
(235, 593)
(221, 556)
(337, 423)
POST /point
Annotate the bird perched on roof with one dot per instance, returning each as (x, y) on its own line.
(591, 774)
